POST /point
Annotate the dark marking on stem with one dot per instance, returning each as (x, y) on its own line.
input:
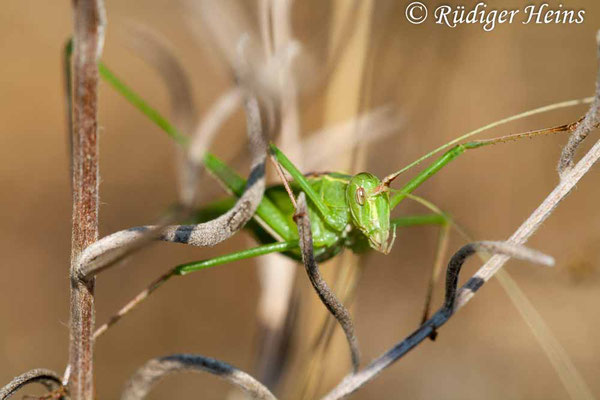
(144, 379)
(183, 234)
(474, 284)
(138, 229)
(185, 360)
(111, 249)
(237, 219)
(257, 173)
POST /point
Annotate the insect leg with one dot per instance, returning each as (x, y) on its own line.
(267, 212)
(276, 247)
(329, 217)
(191, 267)
(457, 151)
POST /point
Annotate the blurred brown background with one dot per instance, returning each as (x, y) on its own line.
(444, 82)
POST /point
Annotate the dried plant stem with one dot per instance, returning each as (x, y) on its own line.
(112, 248)
(354, 381)
(335, 307)
(88, 37)
(275, 274)
(535, 220)
(44, 376)
(140, 384)
(556, 353)
(576, 388)
(346, 79)
(569, 178)
(590, 121)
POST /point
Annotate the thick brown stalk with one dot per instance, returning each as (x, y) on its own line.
(88, 40)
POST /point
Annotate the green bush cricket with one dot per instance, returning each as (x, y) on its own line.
(346, 211)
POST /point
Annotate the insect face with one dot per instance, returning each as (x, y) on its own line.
(370, 210)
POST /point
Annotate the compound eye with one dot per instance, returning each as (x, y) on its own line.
(360, 196)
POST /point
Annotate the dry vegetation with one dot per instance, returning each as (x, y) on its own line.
(272, 75)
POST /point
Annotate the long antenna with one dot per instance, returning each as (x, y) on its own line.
(385, 182)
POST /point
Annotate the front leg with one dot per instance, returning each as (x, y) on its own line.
(330, 218)
(456, 151)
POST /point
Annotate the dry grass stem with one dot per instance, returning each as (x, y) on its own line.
(275, 309)
(535, 220)
(590, 121)
(354, 381)
(335, 307)
(556, 353)
(569, 179)
(43, 376)
(112, 248)
(269, 88)
(144, 379)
